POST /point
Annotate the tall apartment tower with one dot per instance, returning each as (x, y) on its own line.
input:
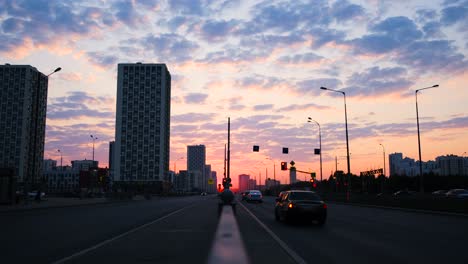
(244, 182)
(141, 148)
(394, 161)
(196, 164)
(23, 105)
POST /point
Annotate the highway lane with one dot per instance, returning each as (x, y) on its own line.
(365, 235)
(47, 235)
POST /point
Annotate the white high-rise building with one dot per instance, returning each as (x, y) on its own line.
(23, 105)
(141, 153)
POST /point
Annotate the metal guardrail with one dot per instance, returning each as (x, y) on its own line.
(228, 247)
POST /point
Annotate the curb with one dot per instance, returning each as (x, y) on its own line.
(402, 209)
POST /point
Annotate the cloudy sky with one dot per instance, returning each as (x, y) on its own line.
(261, 63)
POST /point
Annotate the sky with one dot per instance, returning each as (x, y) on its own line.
(262, 64)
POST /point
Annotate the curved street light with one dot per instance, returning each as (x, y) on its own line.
(419, 137)
(309, 120)
(384, 170)
(36, 121)
(347, 140)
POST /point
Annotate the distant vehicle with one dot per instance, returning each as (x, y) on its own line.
(304, 205)
(457, 193)
(254, 196)
(439, 193)
(244, 195)
(33, 194)
(403, 193)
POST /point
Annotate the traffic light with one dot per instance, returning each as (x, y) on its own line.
(284, 165)
(285, 150)
(314, 184)
(256, 148)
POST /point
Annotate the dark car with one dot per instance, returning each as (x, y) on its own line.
(300, 205)
(439, 193)
(254, 196)
(457, 193)
(404, 193)
(244, 194)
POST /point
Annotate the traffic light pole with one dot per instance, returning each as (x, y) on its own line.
(229, 152)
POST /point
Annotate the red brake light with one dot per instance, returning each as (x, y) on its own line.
(324, 206)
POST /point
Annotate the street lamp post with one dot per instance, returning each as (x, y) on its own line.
(419, 137)
(384, 169)
(61, 166)
(36, 121)
(347, 139)
(94, 138)
(274, 170)
(320, 144)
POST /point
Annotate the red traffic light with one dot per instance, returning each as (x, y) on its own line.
(284, 165)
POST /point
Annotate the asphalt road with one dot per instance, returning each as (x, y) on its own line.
(181, 230)
(355, 234)
(178, 230)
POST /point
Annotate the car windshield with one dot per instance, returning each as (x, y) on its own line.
(304, 196)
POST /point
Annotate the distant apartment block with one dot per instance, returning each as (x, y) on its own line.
(244, 182)
(213, 187)
(207, 177)
(65, 179)
(84, 165)
(49, 164)
(196, 164)
(252, 184)
(185, 181)
(62, 179)
(23, 93)
(443, 165)
(141, 148)
(451, 165)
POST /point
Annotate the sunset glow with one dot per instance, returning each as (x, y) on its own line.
(261, 63)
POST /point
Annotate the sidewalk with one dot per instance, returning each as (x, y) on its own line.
(55, 202)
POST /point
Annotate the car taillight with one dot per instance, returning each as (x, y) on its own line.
(324, 206)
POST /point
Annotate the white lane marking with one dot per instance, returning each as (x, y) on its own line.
(288, 250)
(105, 242)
